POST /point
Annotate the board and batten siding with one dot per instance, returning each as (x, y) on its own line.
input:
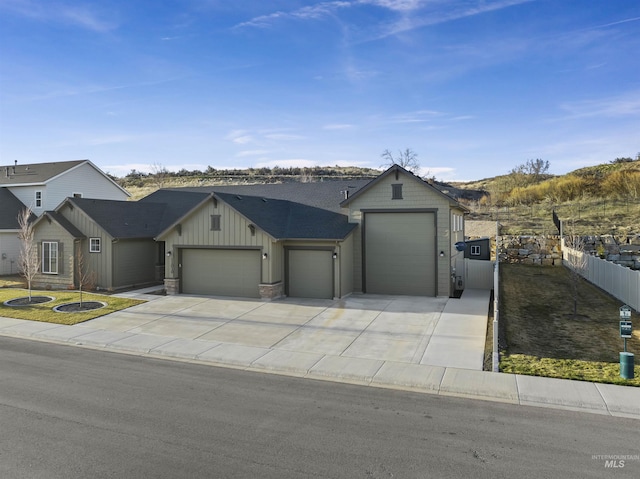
(415, 195)
(133, 262)
(195, 232)
(64, 279)
(100, 263)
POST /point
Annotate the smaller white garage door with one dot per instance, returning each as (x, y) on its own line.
(221, 272)
(310, 273)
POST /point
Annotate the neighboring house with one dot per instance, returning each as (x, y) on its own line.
(42, 187)
(392, 235)
(10, 207)
(478, 249)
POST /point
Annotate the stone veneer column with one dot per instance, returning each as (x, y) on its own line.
(172, 285)
(271, 291)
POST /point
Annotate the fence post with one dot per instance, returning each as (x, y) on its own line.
(495, 363)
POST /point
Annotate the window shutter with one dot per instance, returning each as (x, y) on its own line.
(61, 259)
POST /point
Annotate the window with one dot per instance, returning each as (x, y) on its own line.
(396, 192)
(50, 257)
(215, 222)
(457, 222)
(475, 250)
(38, 199)
(94, 245)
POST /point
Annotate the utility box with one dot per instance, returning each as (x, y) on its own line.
(626, 365)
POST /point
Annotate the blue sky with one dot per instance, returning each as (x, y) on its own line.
(474, 87)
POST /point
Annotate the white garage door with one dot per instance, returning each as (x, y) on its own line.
(310, 273)
(400, 253)
(221, 272)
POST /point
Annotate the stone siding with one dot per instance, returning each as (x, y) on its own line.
(546, 250)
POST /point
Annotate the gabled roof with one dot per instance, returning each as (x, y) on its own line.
(37, 173)
(62, 221)
(283, 219)
(11, 208)
(178, 203)
(325, 195)
(397, 169)
(41, 173)
(121, 219)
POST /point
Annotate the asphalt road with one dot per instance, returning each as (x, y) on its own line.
(69, 412)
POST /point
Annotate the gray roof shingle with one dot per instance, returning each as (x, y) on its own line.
(325, 195)
(123, 219)
(284, 219)
(63, 222)
(10, 208)
(34, 173)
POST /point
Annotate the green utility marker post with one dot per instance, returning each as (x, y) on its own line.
(626, 358)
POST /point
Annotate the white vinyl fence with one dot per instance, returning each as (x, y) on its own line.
(621, 282)
(478, 274)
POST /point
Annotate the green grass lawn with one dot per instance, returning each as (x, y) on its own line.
(541, 335)
(44, 311)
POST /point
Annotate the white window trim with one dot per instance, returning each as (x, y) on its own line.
(92, 243)
(38, 198)
(46, 267)
(475, 250)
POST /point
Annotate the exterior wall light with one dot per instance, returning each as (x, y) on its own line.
(264, 256)
(335, 255)
(168, 253)
(442, 254)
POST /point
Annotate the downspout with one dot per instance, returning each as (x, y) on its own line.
(337, 265)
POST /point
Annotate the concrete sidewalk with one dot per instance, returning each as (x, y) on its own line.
(354, 341)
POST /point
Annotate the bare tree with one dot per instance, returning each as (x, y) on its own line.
(86, 279)
(576, 261)
(159, 174)
(28, 261)
(407, 158)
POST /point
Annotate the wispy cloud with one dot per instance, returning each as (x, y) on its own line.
(283, 137)
(338, 126)
(77, 90)
(312, 12)
(246, 153)
(261, 137)
(617, 106)
(408, 14)
(626, 20)
(419, 116)
(82, 16)
(423, 14)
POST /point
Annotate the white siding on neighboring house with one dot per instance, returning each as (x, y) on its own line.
(84, 179)
(27, 195)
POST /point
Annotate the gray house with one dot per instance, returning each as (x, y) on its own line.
(395, 234)
(392, 235)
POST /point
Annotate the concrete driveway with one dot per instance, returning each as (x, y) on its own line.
(404, 329)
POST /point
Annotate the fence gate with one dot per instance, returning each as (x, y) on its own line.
(478, 274)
